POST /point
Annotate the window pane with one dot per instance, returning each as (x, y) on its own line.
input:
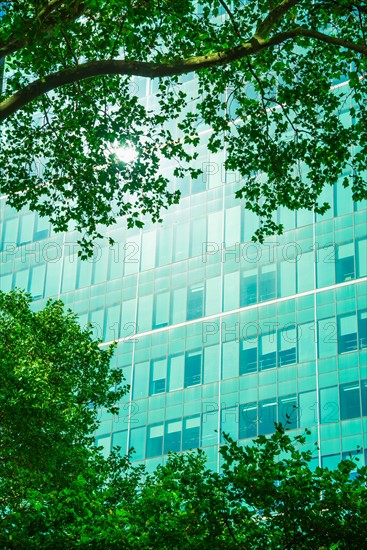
(248, 356)
(345, 263)
(158, 374)
(192, 369)
(172, 436)
(155, 441)
(287, 346)
(37, 280)
(230, 360)
(362, 258)
(329, 405)
(248, 420)
(147, 258)
(161, 310)
(176, 372)
(349, 401)
(325, 266)
(347, 333)
(362, 329)
(327, 337)
(141, 380)
(287, 279)
(305, 271)
(267, 283)
(267, 416)
(248, 293)
(191, 433)
(195, 302)
(268, 354)
(287, 412)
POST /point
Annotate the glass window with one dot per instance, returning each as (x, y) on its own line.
(329, 405)
(9, 231)
(181, 246)
(305, 271)
(137, 441)
(362, 329)
(248, 291)
(286, 278)
(25, 234)
(344, 267)
(164, 251)
(100, 265)
(176, 365)
(350, 406)
(287, 354)
(192, 368)
(229, 422)
(69, 273)
(248, 420)
(307, 411)
(96, 318)
(287, 411)
(325, 265)
(37, 280)
(248, 356)
(178, 305)
(21, 279)
(215, 223)
(154, 440)
(161, 310)
(128, 325)
(230, 359)
(52, 278)
(195, 302)
(197, 236)
(362, 258)
(141, 380)
(112, 327)
(172, 436)
(267, 416)
(267, 282)
(148, 251)
(364, 397)
(306, 342)
(211, 363)
(347, 333)
(115, 262)
(233, 225)
(191, 433)
(119, 439)
(42, 227)
(84, 274)
(231, 291)
(158, 375)
(267, 352)
(145, 312)
(213, 296)
(343, 199)
(327, 337)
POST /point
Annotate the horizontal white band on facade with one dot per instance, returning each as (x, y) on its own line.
(237, 310)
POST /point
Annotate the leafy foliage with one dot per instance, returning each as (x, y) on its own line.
(54, 376)
(77, 72)
(58, 491)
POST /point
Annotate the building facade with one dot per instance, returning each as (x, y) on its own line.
(216, 332)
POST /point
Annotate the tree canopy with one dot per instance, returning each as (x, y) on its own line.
(57, 490)
(76, 72)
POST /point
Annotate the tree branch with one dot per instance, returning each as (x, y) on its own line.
(273, 17)
(43, 24)
(164, 69)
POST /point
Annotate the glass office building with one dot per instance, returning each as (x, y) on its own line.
(216, 332)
